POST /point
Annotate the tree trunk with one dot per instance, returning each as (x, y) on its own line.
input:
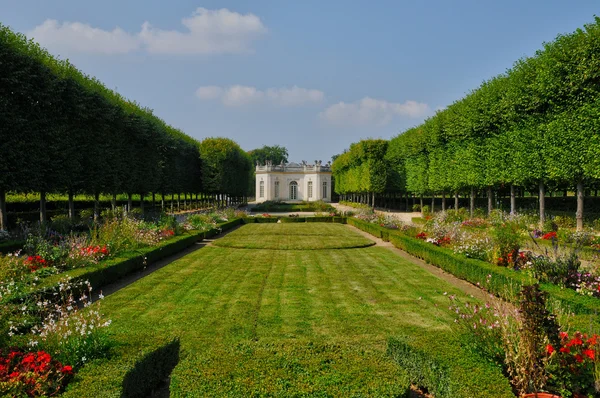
(178, 202)
(421, 201)
(3, 214)
(542, 199)
(443, 201)
(456, 200)
(472, 204)
(407, 202)
(96, 206)
(113, 202)
(490, 199)
(129, 201)
(171, 203)
(432, 203)
(579, 214)
(513, 200)
(373, 200)
(43, 207)
(153, 200)
(71, 205)
(162, 202)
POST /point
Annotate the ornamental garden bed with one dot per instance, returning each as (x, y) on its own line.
(548, 310)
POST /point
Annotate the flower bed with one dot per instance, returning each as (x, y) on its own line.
(505, 282)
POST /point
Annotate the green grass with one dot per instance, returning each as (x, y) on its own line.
(291, 236)
(285, 323)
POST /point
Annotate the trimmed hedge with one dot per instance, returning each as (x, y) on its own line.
(135, 373)
(447, 373)
(11, 246)
(505, 282)
(373, 229)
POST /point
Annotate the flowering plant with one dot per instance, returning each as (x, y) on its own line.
(32, 374)
(475, 222)
(36, 262)
(422, 235)
(549, 236)
(571, 364)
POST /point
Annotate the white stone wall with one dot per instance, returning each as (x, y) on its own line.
(285, 178)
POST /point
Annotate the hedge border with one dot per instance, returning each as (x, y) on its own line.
(11, 246)
(447, 373)
(504, 282)
(135, 374)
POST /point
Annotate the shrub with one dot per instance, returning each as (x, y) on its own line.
(506, 238)
(565, 222)
(550, 226)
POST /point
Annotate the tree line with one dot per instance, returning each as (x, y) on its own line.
(534, 127)
(62, 131)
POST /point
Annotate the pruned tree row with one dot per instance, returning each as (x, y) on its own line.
(62, 131)
(362, 171)
(535, 127)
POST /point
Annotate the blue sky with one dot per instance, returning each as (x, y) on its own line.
(312, 76)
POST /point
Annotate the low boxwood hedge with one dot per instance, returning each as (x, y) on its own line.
(373, 229)
(292, 219)
(504, 282)
(138, 369)
(11, 246)
(447, 373)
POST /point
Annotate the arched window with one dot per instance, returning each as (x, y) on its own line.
(324, 189)
(262, 189)
(276, 189)
(293, 190)
(310, 189)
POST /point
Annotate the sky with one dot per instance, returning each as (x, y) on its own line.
(312, 76)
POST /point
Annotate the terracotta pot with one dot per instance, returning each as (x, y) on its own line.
(540, 395)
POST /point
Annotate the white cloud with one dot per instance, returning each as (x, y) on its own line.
(209, 92)
(78, 37)
(294, 96)
(243, 95)
(370, 111)
(206, 32)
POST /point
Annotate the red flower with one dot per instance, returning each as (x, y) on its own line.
(549, 349)
(67, 369)
(566, 350)
(589, 353)
(549, 235)
(578, 358)
(564, 335)
(13, 375)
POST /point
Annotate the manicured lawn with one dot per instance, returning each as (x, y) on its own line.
(284, 322)
(294, 236)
